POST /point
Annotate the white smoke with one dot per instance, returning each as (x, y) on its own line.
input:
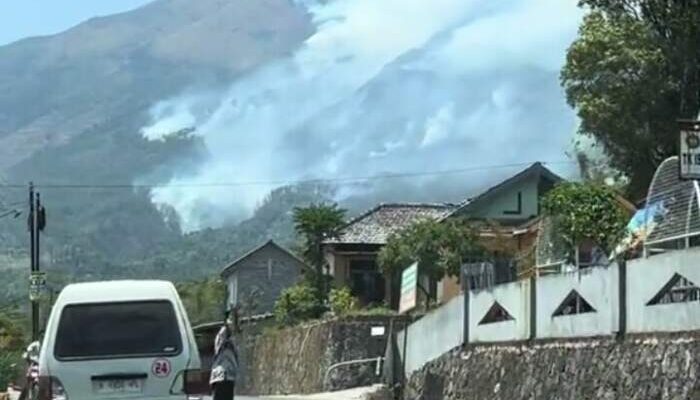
(382, 86)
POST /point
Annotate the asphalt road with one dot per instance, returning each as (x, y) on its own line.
(261, 398)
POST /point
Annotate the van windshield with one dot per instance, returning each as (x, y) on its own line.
(115, 330)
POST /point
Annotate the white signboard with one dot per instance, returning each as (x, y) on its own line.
(409, 288)
(690, 150)
(378, 331)
(37, 284)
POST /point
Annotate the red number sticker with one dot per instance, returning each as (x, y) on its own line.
(161, 368)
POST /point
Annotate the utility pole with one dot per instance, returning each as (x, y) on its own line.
(37, 221)
(33, 265)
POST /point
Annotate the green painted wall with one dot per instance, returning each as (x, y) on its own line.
(494, 207)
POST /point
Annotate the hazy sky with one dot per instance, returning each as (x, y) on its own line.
(24, 18)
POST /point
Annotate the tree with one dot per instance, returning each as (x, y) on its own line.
(631, 73)
(314, 224)
(204, 300)
(586, 211)
(439, 248)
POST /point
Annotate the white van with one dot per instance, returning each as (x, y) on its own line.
(119, 340)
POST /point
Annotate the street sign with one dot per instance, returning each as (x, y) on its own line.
(409, 288)
(37, 284)
(690, 149)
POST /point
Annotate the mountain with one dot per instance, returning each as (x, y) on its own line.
(185, 93)
(54, 88)
(71, 109)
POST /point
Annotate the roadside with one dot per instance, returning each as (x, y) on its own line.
(376, 392)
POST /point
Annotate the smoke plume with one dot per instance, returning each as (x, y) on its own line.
(382, 86)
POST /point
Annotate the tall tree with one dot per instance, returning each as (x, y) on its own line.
(314, 224)
(631, 73)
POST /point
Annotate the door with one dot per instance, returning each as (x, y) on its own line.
(367, 283)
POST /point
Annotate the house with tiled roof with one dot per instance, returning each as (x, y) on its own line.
(352, 255)
(510, 207)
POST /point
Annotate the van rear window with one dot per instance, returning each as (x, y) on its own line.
(115, 330)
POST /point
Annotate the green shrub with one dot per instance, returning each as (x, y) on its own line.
(376, 311)
(298, 303)
(342, 301)
(10, 364)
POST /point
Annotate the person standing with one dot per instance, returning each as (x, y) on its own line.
(225, 364)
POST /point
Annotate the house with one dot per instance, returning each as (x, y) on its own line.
(255, 280)
(352, 255)
(512, 202)
(509, 211)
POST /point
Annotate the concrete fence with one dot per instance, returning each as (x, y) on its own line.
(647, 295)
(662, 292)
(593, 290)
(433, 335)
(500, 314)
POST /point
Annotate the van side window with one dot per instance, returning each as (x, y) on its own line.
(117, 330)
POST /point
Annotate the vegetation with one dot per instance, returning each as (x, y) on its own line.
(298, 303)
(439, 248)
(586, 211)
(374, 311)
(185, 258)
(631, 73)
(12, 342)
(314, 224)
(342, 301)
(204, 300)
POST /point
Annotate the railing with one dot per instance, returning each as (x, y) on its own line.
(377, 371)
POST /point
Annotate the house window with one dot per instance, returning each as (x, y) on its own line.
(496, 314)
(366, 282)
(269, 269)
(233, 289)
(574, 303)
(519, 209)
(678, 290)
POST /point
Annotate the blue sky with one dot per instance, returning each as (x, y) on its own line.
(24, 18)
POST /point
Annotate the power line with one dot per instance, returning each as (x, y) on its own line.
(349, 179)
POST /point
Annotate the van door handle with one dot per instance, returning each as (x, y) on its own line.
(111, 377)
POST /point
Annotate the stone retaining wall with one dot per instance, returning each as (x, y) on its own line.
(295, 360)
(637, 368)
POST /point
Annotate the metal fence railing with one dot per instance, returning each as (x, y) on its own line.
(671, 218)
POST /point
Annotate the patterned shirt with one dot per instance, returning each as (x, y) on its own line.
(225, 364)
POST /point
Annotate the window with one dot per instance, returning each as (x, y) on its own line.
(117, 330)
(496, 314)
(519, 209)
(233, 289)
(590, 254)
(574, 303)
(678, 290)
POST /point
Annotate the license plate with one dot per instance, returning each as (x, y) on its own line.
(118, 386)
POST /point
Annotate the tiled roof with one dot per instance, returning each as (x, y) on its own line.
(376, 225)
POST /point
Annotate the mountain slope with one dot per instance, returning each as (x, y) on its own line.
(72, 104)
(52, 88)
